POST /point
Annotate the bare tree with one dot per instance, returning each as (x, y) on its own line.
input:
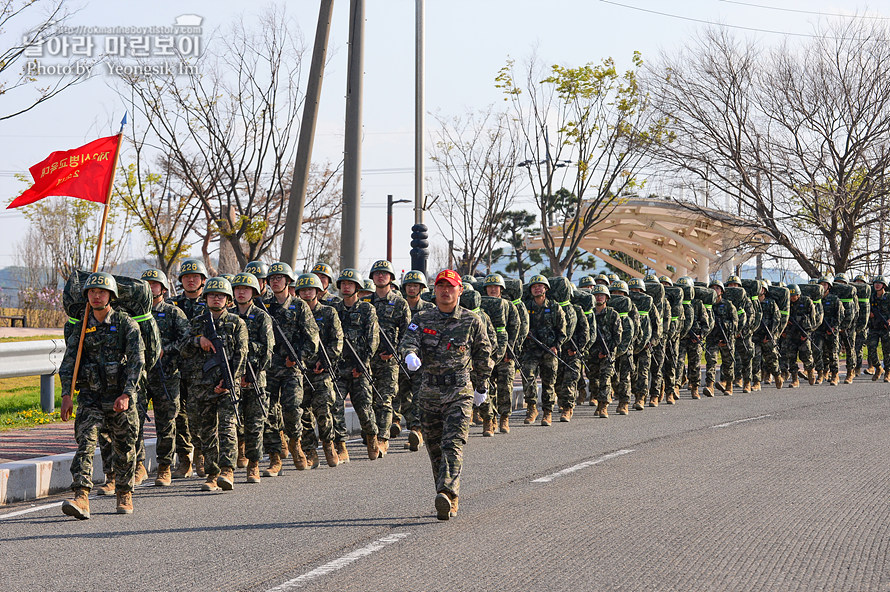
(228, 129)
(476, 156)
(797, 138)
(603, 129)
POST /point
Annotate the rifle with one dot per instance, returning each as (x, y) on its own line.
(221, 359)
(578, 353)
(163, 375)
(602, 341)
(143, 407)
(549, 351)
(768, 333)
(395, 354)
(877, 311)
(252, 379)
(329, 367)
(291, 354)
(805, 334)
(518, 366)
(362, 367)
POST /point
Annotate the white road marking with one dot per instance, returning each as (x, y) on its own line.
(340, 563)
(729, 423)
(30, 510)
(583, 465)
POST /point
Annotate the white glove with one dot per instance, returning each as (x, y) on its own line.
(412, 361)
(479, 398)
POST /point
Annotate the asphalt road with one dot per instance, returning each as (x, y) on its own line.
(765, 491)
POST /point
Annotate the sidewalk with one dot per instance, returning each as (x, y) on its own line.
(28, 332)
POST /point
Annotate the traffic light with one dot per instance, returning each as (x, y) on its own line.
(420, 244)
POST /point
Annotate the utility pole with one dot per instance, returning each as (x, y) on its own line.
(419, 236)
(352, 157)
(297, 201)
(389, 202)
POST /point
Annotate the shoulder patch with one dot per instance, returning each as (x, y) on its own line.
(412, 327)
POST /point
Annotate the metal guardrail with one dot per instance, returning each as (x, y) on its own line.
(34, 358)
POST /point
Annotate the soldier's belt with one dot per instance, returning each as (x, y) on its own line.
(448, 379)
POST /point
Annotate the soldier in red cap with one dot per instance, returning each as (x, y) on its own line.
(449, 346)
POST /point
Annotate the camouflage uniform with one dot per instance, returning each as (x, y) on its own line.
(448, 345)
(504, 371)
(497, 337)
(187, 422)
(650, 324)
(826, 342)
(174, 329)
(319, 404)
(547, 323)
(879, 330)
(111, 365)
(404, 402)
(608, 329)
(744, 345)
(726, 320)
(393, 316)
(360, 328)
(219, 438)
(861, 333)
(285, 384)
(259, 355)
(567, 377)
(797, 343)
(766, 355)
(691, 345)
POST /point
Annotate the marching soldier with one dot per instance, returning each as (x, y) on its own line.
(254, 399)
(546, 334)
(320, 401)
(215, 357)
(261, 272)
(501, 383)
(361, 336)
(744, 347)
(691, 345)
(112, 361)
(413, 285)
(879, 329)
(766, 354)
(797, 336)
(721, 340)
(624, 363)
(826, 336)
(326, 276)
(862, 323)
(450, 347)
(192, 275)
(650, 326)
(164, 379)
(570, 367)
(603, 350)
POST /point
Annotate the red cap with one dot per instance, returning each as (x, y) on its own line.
(450, 276)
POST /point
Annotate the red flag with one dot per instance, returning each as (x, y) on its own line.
(84, 172)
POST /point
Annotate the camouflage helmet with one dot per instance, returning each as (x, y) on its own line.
(192, 266)
(779, 284)
(367, 286)
(826, 279)
(308, 280)
(281, 268)
(637, 284)
(414, 277)
(219, 285)
(764, 285)
(586, 282)
(468, 286)
(860, 278)
(686, 281)
(494, 280)
(600, 289)
(879, 279)
(539, 279)
(383, 265)
(156, 275)
(602, 278)
(613, 277)
(665, 280)
(246, 279)
(323, 269)
(717, 283)
(841, 278)
(651, 277)
(103, 280)
(351, 275)
(619, 286)
(734, 279)
(793, 290)
(259, 269)
(228, 276)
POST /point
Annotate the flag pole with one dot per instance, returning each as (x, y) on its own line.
(83, 328)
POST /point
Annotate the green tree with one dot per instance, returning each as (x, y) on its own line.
(514, 227)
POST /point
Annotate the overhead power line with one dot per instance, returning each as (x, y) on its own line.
(813, 12)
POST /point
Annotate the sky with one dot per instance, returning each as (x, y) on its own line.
(467, 42)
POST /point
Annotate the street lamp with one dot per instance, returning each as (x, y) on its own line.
(389, 203)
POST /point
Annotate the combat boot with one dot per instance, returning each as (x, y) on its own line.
(477, 417)
(708, 391)
(285, 449)
(395, 429)
(886, 376)
(592, 402)
(870, 370)
(746, 387)
(848, 379)
(226, 479)
(738, 382)
(622, 408)
(834, 379)
(531, 413)
(727, 388)
(488, 428)
(443, 506)
(79, 507)
(602, 409)
(820, 376)
(342, 452)
(164, 479)
(638, 405)
(779, 380)
(693, 391)
(373, 450)
(125, 502)
(141, 474)
(546, 418)
(504, 426)
(312, 459)
(300, 462)
(877, 374)
(415, 440)
(242, 458)
(184, 469)
(755, 386)
(811, 376)
(210, 483)
(274, 465)
(253, 471)
(199, 465)
(566, 415)
(453, 512)
(795, 382)
(382, 447)
(330, 455)
(108, 487)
